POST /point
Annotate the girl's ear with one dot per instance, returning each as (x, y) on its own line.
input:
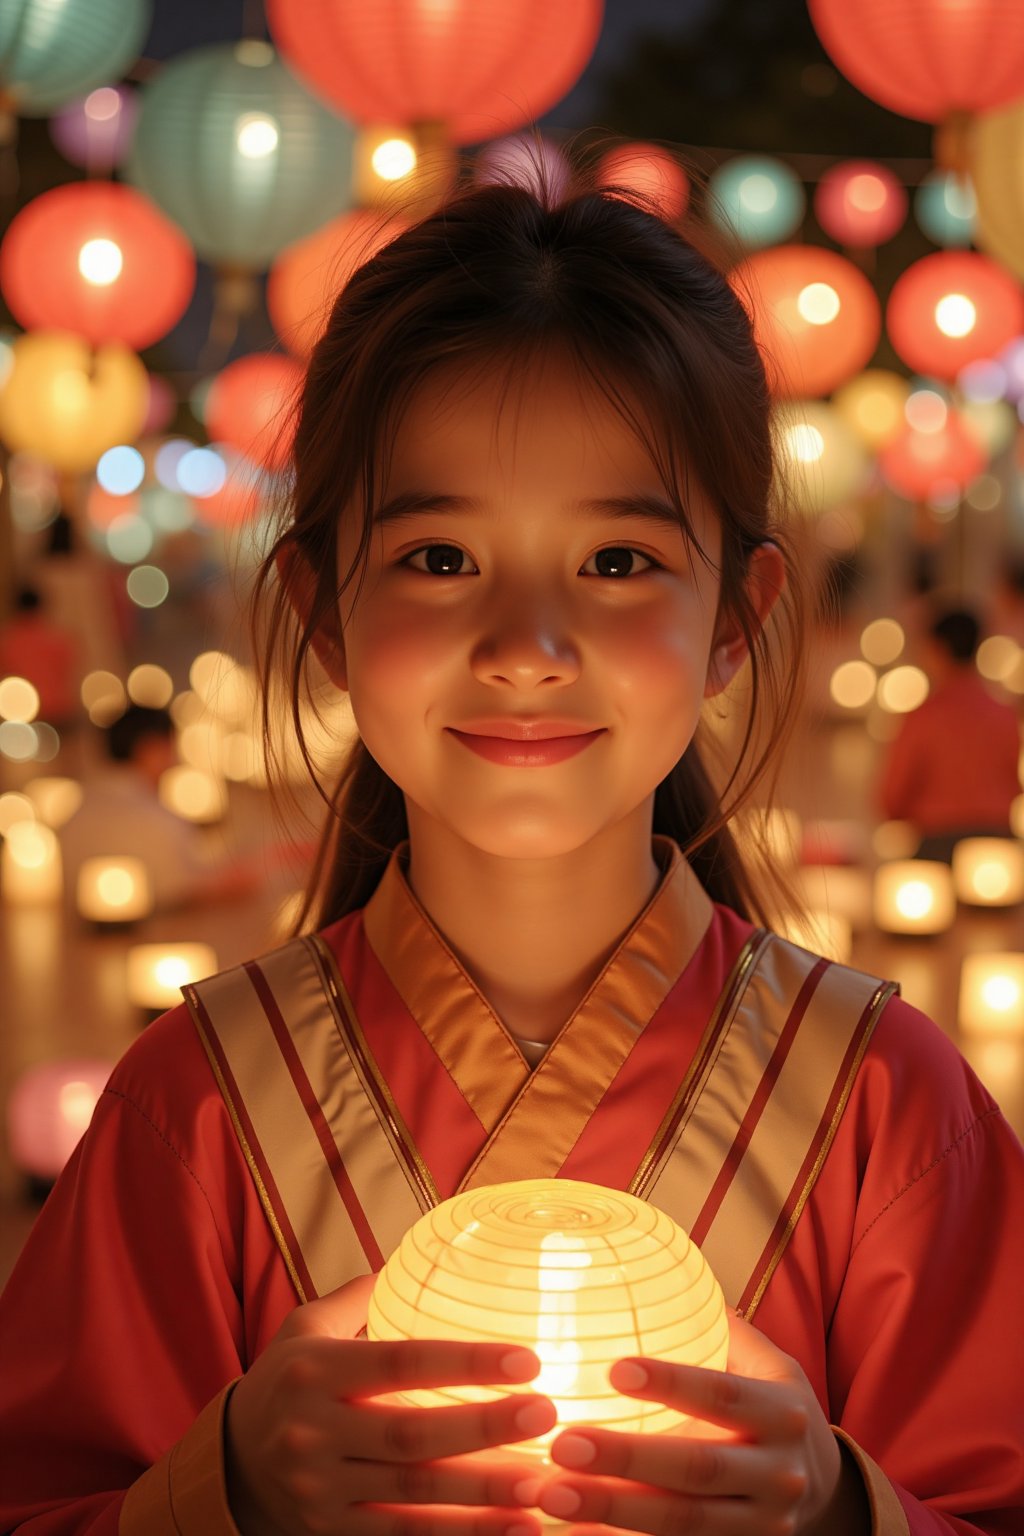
(299, 582)
(765, 581)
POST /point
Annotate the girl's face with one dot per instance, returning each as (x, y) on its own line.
(528, 601)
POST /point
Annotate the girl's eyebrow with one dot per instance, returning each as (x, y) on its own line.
(409, 504)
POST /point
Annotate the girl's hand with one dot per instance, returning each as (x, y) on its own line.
(307, 1453)
(771, 1466)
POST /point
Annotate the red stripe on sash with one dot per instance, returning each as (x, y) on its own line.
(780, 1234)
(237, 1104)
(318, 1119)
(755, 1109)
(442, 1123)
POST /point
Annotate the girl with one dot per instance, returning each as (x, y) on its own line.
(530, 536)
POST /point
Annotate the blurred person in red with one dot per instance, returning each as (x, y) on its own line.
(38, 648)
(952, 770)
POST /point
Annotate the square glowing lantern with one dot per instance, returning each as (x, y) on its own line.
(157, 972)
(989, 871)
(580, 1274)
(992, 994)
(114, 890)
(30, 864)
(914, 896)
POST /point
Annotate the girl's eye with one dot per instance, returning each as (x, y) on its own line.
(441, 559)
(617, 561)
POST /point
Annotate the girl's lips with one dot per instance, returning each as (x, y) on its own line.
(526, 754)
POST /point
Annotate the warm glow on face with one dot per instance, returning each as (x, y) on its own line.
(758, 193)
(100, 262)
(915, 899)
(866, 192)
(256, 135)
(955, 315)
(804, 443)
(818, 303)
(393, 159)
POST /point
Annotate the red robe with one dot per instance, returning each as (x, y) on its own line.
(151, 1279)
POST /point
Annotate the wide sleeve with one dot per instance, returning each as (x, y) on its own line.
(926, 1346)
(121, 1331)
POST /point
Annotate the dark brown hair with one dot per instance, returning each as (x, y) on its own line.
(494, 277)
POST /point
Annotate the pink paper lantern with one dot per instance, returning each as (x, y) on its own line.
(49, 1108)
(860, 204)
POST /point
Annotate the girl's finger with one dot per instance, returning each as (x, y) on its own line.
(460, 1481)
(375, 1432)
(634, 1507)
(761, 1410)
(438, 1520)
(680, 1464)
(365, 1369)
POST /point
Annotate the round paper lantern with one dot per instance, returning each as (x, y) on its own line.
(918, 465)
(481, 70)
(757, 200)
(82, 258)
(50, 54)
(580, 1274)
(926, 58)
(860, 204)
(96, 131)
(872, 405)
(815, 316)
(997, 174)
(49, 1110)
(649, 169)
(237, 152)
(67, 403)
(521, 161)
(306, 278)
(914, 896)
(946, 208)
(249, 407)
(822, 463)
(950, 309)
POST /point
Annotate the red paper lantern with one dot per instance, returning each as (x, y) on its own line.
(249, 407)
(860, 204)
(953, 308)
(651, 170)
(926, 58)
(815, 317)
(307, 277)
(97, 259)
(482, 70)
(922, 464)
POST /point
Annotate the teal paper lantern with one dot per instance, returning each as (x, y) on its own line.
(49, 54)
(756, 199)
(233, 148)
(946, 208)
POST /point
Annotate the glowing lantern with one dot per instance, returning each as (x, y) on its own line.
(307, 277)
(914, 896)
(860, 204)
(231, 146)
(522, 161)
(95, 132)
(30, 865)
(482, 71)
(992, 994)
(113, 890)
(49, 1110)
(946, 208)
(757, 200)
(249, 406)
(580, 1274)
(815, 317)
(926, 58)
(950, 309)
(50, 54)
(66, 403)
(989, 871)
(81, 258)
(821, 461)
(872, 405)
(157, 972)
(997, 143)
(920, 464)
(649, 169)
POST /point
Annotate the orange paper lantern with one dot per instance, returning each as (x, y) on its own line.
(651, 170)
(67, 403)
(100, 260)
(926, 58)
(307, 277)
(482, 70)
(249, 405)
(953, 308)
(815, 315)
(860, 204)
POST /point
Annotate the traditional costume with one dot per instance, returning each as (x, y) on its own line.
(855, 1188)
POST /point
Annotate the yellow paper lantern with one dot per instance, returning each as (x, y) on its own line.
(157, 972)
(914, 896)
(989, 871)
(872, 406)
(113, 890)
(997, 174)
(67, 402)
(580, 1274)
(30, 864)
(992, 994)
(822, 462)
